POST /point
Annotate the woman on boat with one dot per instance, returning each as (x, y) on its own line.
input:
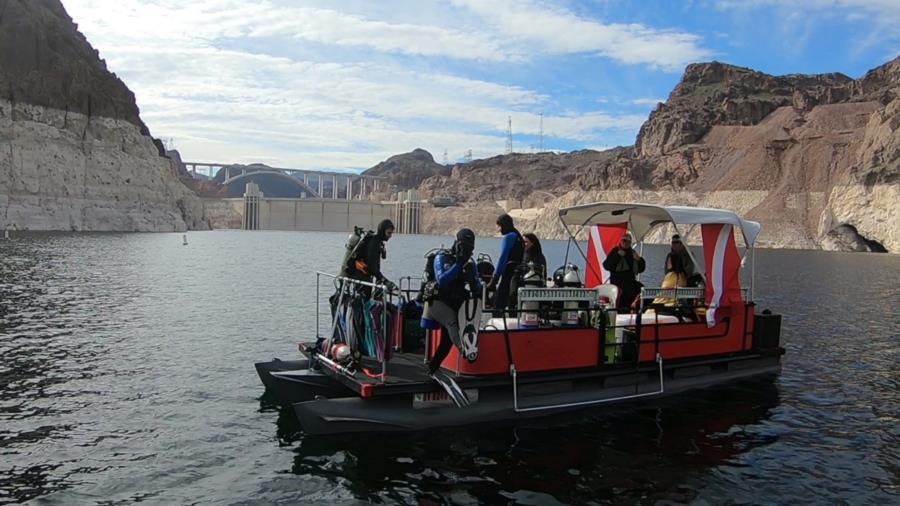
(534, 255)
(679, 263)
(453, 270)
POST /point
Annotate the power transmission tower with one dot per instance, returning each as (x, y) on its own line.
(541, 144)
(445, 157)
(468, 156)
(509, 135)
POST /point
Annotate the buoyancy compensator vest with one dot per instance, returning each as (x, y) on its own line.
(428, 288)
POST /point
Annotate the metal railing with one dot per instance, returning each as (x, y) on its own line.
(340, 283)
(517, 409)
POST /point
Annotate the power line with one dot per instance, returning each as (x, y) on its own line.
(509, 147)
(541, 144)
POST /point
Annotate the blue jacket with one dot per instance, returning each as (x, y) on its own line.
(448, 278)
(512, 249)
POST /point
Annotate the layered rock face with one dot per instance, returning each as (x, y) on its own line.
(74, 154)
(816, 159)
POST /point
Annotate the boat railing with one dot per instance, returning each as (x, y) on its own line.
(683, 293)
(594, 402)
(341, 284)
(406, 284)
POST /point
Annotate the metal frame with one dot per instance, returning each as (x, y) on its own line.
(517, 409)
(339, 284)
(751, 250)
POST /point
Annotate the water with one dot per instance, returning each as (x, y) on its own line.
(127, 375)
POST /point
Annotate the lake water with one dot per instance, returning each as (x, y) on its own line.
(126, 374)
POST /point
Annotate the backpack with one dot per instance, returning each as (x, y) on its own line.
(428, 288)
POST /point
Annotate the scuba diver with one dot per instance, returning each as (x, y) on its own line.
(506, 275)
(363, 259)
(453, 270)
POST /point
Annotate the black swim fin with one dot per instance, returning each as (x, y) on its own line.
(457, 395)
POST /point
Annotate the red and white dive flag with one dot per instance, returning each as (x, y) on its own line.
(602, 240)
(723, 271)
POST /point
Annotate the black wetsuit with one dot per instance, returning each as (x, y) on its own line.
(622, 273)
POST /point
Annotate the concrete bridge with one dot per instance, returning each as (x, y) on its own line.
(301, 183)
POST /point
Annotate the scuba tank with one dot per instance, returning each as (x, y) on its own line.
(428, 289)
(568, 276)
(355, 245)
(529, 317)
(485, 267)
(532, 277)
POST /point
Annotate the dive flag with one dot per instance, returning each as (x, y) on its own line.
(723, 270)
(603, 238)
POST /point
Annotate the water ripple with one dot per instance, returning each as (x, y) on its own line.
(126, 376)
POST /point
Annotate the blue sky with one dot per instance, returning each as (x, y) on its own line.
(346, 83)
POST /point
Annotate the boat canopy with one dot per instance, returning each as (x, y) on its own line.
(642, 218)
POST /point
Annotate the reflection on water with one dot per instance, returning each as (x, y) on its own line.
(126, 375)
(626, 453)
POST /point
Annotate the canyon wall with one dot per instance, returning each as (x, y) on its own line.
(74, 153)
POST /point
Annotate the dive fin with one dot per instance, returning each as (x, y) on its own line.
(470, 342)
(452, 388)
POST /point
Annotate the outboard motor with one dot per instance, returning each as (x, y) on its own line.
(528, 317)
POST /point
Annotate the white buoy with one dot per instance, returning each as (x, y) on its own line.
(184, 240)
(6, 234)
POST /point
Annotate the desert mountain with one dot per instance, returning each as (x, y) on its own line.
(408, 170)
(815, 158)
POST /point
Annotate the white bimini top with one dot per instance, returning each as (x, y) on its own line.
(641, 218)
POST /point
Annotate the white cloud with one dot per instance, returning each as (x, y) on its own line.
(558, 31)
(647, 101)
(884, 12)
(198, 81)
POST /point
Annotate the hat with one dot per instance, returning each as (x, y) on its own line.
(629, 236)
(676, 238)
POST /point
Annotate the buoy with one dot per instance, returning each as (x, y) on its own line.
(6, 234)
(184, 240)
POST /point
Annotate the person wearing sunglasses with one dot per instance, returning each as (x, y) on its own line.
(624, 264)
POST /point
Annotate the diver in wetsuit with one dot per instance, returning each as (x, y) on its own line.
(506, 273)
(453, 270)
(365, 264)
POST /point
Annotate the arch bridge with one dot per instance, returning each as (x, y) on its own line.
(309, 183)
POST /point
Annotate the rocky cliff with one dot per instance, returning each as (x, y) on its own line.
(814, 158)
(74, 154)
(408, 170)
